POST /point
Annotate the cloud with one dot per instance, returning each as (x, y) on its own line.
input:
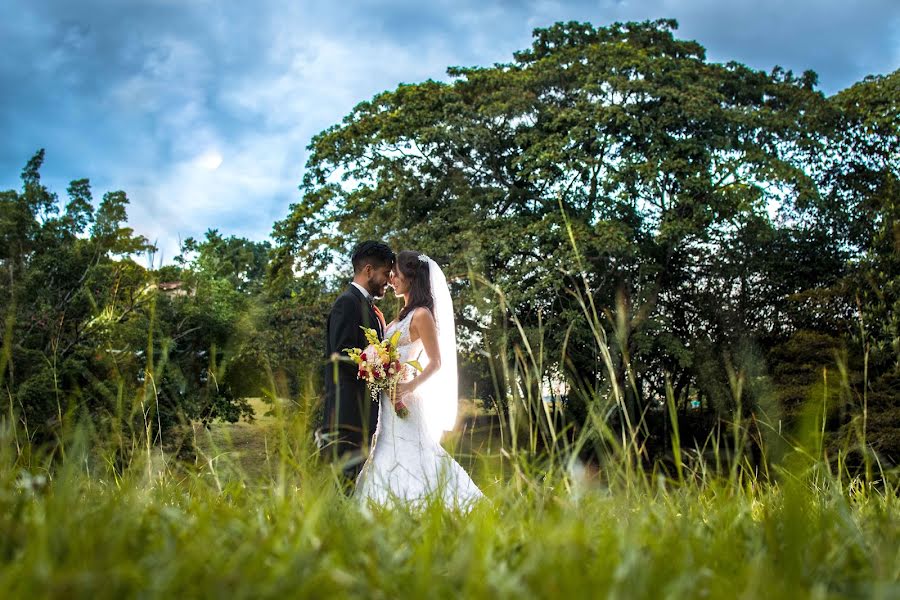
(841, 41)
(307, 84)
(133, 94)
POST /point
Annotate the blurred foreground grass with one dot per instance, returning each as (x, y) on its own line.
(258, 517)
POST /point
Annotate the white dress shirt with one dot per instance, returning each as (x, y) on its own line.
(365, 292)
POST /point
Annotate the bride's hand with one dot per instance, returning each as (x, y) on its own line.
(404, 388)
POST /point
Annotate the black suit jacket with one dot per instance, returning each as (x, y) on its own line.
(348, 408)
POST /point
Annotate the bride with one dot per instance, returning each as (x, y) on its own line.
(407, 462)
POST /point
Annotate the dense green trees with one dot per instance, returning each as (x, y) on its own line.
(91, 337)
(707, 202)
(71, 302)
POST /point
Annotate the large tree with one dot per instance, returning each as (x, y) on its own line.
(862, 176)
(661, 166)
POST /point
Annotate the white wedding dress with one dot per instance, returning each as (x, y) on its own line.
(407, 463)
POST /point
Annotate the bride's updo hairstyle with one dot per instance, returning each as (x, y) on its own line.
(416, 272)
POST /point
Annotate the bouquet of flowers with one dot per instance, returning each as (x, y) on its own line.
(380, 366)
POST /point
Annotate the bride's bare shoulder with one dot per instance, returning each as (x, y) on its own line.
(422, 318)
(420, 312)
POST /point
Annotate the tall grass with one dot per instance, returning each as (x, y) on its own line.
(213, 532)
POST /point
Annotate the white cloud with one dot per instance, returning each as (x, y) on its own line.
(318, 81)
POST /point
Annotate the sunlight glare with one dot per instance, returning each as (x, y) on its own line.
(210, 160)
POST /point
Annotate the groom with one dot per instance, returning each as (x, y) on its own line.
(350, 416)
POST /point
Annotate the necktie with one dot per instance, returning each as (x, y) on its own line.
(380, 318)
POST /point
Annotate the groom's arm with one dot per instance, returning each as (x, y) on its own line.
(343, 328)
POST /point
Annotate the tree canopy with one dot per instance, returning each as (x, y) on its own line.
(712, 210)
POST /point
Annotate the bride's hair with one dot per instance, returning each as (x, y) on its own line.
(416, 271)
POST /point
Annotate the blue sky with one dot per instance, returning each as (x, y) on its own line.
(201, 110)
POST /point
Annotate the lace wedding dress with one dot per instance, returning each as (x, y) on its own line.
(407, 462)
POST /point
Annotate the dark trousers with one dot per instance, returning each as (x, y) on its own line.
(346, 449)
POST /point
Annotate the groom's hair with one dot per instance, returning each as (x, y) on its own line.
(370, 252)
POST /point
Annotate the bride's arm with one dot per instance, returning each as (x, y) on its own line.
(423, 327)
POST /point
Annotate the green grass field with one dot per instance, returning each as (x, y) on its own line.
(259, 517)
